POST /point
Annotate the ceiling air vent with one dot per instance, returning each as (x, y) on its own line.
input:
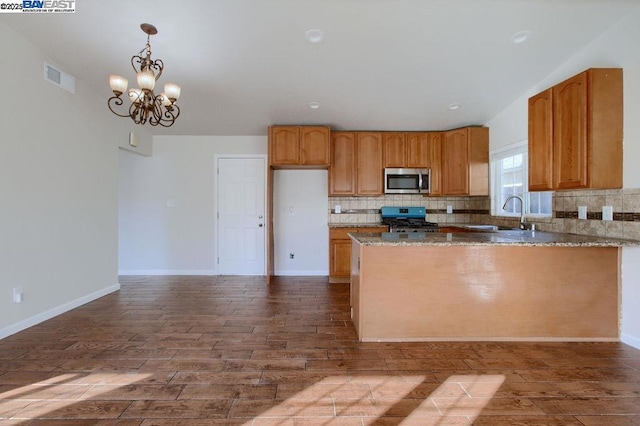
(59, 78)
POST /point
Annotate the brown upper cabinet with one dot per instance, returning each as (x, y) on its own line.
(356, 164)
(342, 173)
(424, 150)
(299, 146)
(465, 161)
(419, 149)
(369, 170)
(575, 133)
(406, 149)
(434, 159)
(395, 149)
(541, 141)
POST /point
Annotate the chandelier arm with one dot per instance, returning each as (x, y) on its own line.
(117, 101)
(158, 66)
(175, 108)
(155, 116)
(138, 113)
(164, 116)
(137, 60)
(168, 120)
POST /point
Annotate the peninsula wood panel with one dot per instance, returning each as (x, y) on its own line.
(482, 292)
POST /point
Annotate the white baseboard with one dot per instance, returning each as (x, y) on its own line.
(301, 273)
(37, 319)
(630, 340)
(168, 272)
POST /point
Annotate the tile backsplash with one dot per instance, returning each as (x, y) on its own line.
(625, 203)
(367, 209)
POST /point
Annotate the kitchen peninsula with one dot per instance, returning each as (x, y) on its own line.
(504, 285)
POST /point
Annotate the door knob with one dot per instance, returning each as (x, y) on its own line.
(260, 225)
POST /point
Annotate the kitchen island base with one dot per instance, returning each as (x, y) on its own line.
(468, 292)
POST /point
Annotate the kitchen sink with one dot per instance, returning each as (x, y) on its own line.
(491, 228)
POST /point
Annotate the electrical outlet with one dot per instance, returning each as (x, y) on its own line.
(291, 255)
(607, 212)
(449, 209)
(582, 212)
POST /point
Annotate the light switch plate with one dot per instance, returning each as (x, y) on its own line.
(582, 212)
(607, 212)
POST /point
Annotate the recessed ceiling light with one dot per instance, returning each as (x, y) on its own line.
(454, 107)
(314, 105)
(521, 36)
(314, 36)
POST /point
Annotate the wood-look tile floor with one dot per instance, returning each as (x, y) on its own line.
(232, 350)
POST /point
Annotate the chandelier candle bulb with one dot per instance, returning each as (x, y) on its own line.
(146, 79)
(118, 84)
(172, 91)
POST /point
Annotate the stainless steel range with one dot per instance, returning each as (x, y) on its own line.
(407, 219)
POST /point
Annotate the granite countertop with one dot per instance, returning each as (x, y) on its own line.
(356, 225)
(510, 237)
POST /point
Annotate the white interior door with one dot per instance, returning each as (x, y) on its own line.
(241, 216)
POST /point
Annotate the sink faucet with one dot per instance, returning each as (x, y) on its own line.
(522, 218)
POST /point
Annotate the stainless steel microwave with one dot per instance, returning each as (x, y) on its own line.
(407, 181)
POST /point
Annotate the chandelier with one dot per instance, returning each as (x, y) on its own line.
(145, 105)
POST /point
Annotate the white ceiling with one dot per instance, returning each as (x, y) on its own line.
(383, 64)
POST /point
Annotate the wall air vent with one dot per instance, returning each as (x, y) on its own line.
(59, 78)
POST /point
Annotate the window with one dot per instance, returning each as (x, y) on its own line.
(509, 177)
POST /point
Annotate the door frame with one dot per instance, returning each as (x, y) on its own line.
(216, 237)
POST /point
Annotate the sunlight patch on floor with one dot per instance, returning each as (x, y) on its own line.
(459, 400)
(41, 399)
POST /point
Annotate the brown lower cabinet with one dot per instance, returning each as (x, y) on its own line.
(340, 251)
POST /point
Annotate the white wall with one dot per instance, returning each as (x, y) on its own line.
(300, 222)
(615, 48)
(156, 238)
(630, 296)
(58, 186)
